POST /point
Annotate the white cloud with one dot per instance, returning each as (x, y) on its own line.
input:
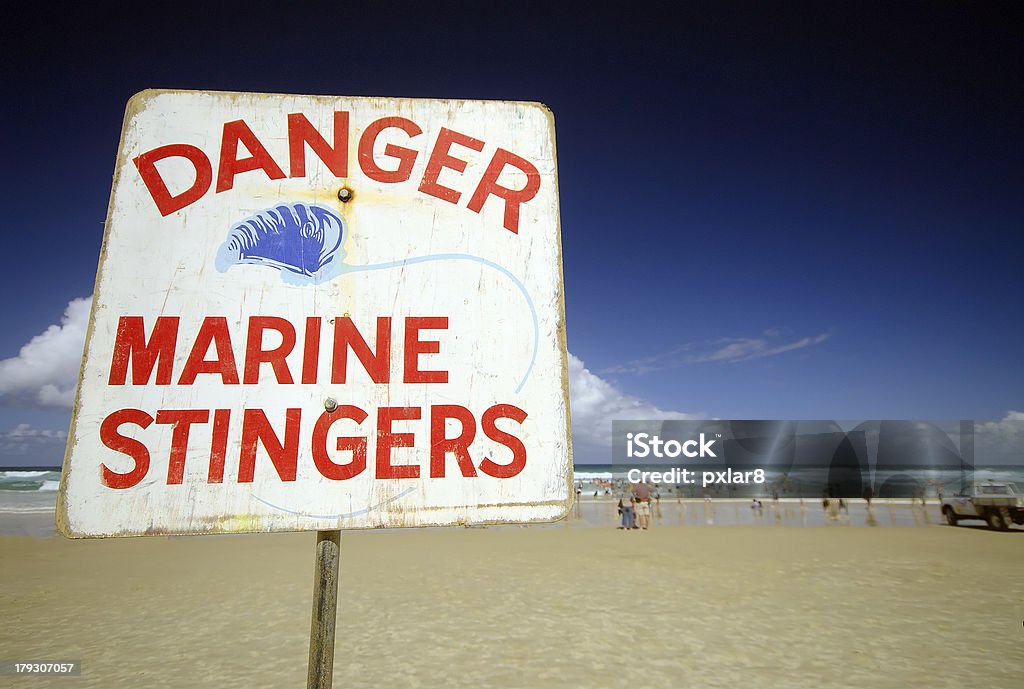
(45, 372)
(1010, 425)
(743, 349)
(1000, 442)
(25, 441)
(724, 350)
(595, 402)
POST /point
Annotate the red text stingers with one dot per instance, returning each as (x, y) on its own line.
(335, 156)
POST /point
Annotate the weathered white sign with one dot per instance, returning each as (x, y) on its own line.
(317, 313)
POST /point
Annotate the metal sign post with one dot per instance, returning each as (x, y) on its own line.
(320, 674)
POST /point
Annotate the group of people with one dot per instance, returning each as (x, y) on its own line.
(833, 507)
(635, 507)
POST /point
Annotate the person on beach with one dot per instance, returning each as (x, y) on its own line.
(642, 496)
(626, 510)
(829, 506)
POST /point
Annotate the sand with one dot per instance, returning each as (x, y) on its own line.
(555, 607)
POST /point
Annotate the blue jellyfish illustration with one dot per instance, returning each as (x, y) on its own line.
(300, 240)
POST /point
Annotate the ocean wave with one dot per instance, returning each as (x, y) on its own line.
(27, 509)
(29, 481)
(590, 475)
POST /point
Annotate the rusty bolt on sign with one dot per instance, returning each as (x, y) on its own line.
(345, 195)
(330, 404)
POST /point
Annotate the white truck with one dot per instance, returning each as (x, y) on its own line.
(999, 503)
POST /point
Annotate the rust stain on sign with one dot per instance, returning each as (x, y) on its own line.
(238, 290)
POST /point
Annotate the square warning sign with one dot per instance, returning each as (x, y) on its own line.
(318, 313)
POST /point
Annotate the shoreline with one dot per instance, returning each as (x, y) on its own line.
(601, 514)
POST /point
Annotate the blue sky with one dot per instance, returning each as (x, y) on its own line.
(810, 211)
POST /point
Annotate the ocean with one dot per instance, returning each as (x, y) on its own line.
(27, 489)
(35, 489)
(28, 498)
(30, 480)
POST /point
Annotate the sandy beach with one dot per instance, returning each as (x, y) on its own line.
(533, 607)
